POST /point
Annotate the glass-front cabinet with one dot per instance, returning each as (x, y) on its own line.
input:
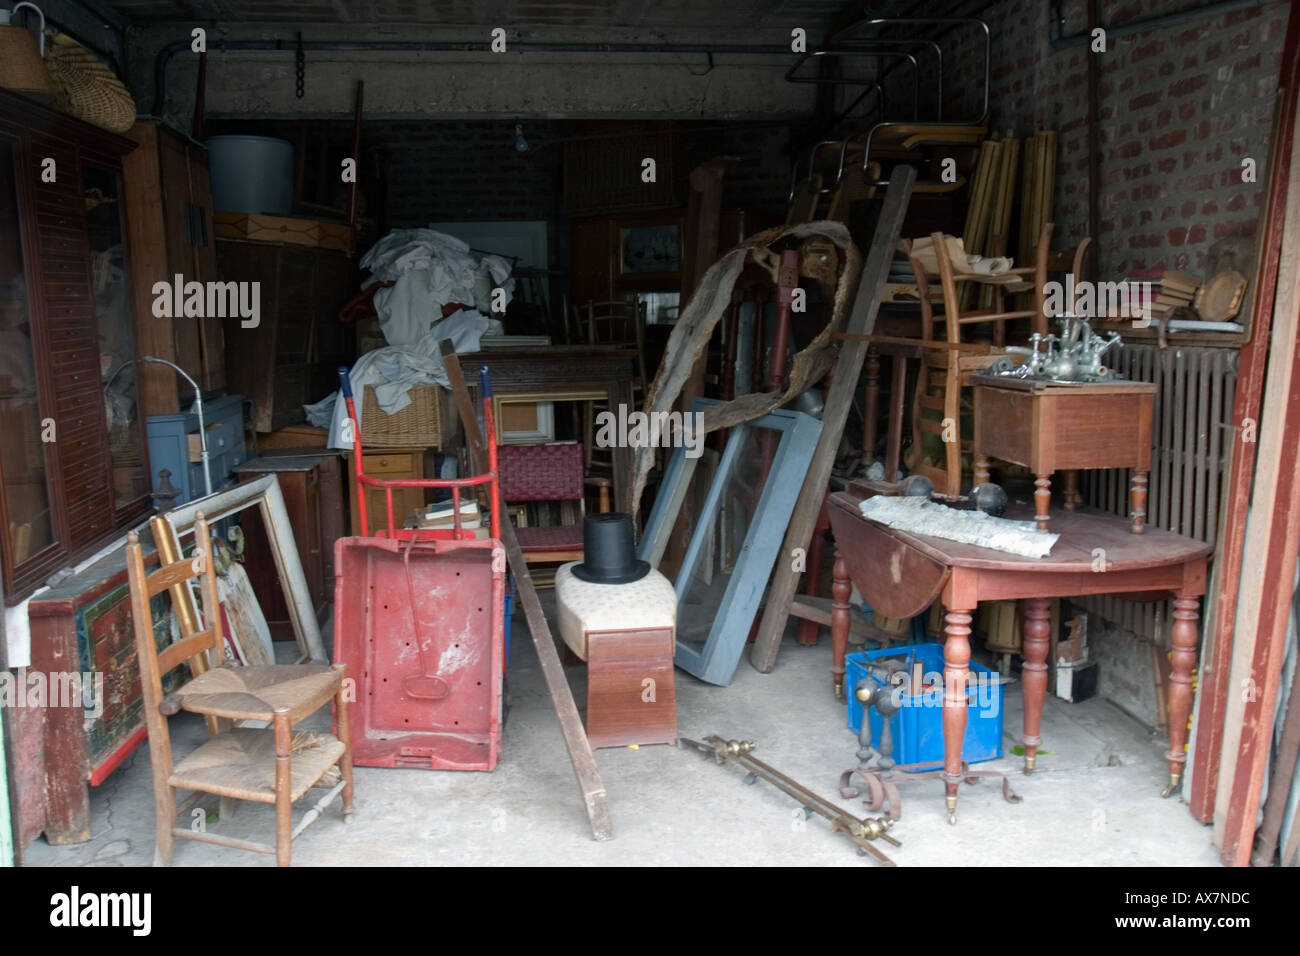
(74, 470)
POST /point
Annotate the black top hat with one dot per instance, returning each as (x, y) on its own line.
(609, 555)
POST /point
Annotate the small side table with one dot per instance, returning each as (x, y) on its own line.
(1057, 426)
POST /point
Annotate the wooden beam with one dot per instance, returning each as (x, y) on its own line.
(575, 738)
(703, 221)
(848, 368)
(1240, 469)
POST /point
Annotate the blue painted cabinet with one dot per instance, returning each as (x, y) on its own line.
(169, 446)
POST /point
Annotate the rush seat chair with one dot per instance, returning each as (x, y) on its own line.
(268, 764)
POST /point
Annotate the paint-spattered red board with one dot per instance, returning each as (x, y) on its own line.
(451, 609)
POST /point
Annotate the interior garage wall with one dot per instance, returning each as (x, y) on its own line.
(1180, 107)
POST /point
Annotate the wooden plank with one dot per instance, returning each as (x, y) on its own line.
(575, 738)
(1239, 470)
(1264, 598)
(145, 238)
(848, 368)
(1283, 776)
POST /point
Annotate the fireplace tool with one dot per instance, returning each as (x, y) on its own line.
(860, 831)
(883, 689)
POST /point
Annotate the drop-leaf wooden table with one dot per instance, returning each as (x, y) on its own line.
(900, 574)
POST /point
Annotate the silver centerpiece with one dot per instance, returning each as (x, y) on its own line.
(1074, 356)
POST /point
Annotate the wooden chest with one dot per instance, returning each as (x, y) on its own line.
(84, 627)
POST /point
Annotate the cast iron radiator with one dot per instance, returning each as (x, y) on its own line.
(1191, 431)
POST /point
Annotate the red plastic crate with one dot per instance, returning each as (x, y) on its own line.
(394, 597)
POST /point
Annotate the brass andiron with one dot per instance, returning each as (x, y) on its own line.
(876, 770)
(860, 831)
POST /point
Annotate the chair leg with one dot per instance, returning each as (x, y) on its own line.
(952, 411)
(283, 789)
(165, 816)
(345, 735)
(588, 429)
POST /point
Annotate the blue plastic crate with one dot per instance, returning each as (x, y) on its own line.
(917, 728)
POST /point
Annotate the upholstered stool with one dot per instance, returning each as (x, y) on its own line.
(627, 635)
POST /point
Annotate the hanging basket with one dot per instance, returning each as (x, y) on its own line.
(85, 87)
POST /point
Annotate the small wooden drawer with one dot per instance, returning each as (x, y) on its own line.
(399, 463)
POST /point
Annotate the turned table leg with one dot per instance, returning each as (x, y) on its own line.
(981, 475)
(1033, 681)
(1183, 658)
(1042, 499)
(808, 630)
(1137, 493)
(956, 671)
(1072, 496)
(841, 588)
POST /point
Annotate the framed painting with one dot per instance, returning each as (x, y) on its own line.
(647, 250)
(722, 576)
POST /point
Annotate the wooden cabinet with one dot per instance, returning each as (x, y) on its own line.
(174, 445)
(73, 463)
(169, 201)
(399, 463)
(312, 485)
(291, 357)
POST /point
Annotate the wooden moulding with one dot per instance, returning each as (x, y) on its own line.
(263, 493)
(301, 232)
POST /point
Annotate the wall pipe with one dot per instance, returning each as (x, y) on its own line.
(165, 54)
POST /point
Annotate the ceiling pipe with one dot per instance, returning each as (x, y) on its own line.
(1060, 42)
(165, 55)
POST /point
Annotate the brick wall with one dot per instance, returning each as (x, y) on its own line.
(1180, 107)
(470, 170)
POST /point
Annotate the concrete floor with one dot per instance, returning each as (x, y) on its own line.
(1093, 801)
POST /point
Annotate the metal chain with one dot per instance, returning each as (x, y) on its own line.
(300, 65)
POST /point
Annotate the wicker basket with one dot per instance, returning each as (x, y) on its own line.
(418, 425)
(86, 88)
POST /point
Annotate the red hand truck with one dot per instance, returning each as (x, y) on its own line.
(419, 625)
(455, 484)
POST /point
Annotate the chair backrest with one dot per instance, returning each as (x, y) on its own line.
(541, 472)
(204, 644)
(616, 322)
(1037, 273)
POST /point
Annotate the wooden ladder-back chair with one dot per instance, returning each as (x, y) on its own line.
(268, 764)
(616, 322)
(948, 361)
